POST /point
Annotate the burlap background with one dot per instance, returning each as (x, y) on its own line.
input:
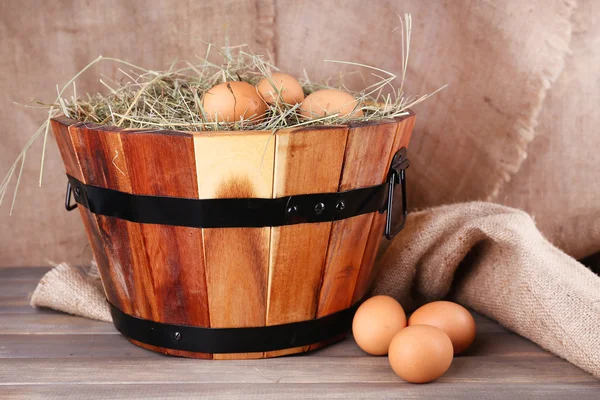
(559, 184)
(498, 58)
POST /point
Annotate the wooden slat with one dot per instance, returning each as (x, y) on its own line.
(62, 132)
(102, 162)
(234, 165)
(17, 274)
(164, 165)
(306, 161)
(365, 164)
(16, 293)
(485, 326)
(125, 370)
(366, 274)
(60, 127)
(503, 344)
(71, 346)
(16, 286)
(268, 391)
(51, 323)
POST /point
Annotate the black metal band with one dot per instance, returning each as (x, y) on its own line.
(233, 340)
(229, 213)
(245, 212)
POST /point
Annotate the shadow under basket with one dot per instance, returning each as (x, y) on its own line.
(235, 245)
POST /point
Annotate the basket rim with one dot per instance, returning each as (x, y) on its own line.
(67, 121)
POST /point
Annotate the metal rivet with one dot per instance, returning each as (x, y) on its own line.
(319, 208)
(340, 205)
(77, 191)
(292, 209)
(177, 336)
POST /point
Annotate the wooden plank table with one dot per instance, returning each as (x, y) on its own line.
(45, 354)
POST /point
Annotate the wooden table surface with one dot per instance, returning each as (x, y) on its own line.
(45, 354)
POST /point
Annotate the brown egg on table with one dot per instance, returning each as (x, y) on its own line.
(452, 318)
(232, 101)
(376, 322)
(328, 102)
(280, 88)
(420, 353)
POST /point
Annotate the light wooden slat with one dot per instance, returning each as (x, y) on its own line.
(51, 323)
(365, 164)
(75, 345)
(92, 346)
(282, 370)
(306, 161)
(236, 165)
(268, 391)
(366, 274)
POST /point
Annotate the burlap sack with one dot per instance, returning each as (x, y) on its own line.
(73, 291)
(493, 259)
(489, 257)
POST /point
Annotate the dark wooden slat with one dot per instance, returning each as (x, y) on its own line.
(278, 391)
(176, 252)
(282, 370)
(102, 162)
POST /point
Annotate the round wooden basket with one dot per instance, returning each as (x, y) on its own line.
(178, 289)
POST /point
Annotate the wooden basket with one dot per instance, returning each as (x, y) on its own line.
(233, 277)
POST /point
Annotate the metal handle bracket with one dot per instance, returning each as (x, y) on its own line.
(68, 205)
(397, 175)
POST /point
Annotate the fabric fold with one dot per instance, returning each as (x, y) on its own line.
(493, 259)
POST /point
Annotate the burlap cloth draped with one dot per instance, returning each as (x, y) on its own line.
(488, 257)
